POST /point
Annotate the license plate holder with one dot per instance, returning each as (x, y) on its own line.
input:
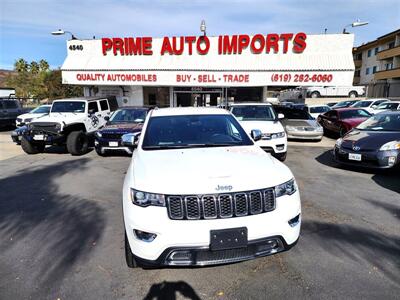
(355, 156)
(38, 137)
(113, 144)
(231, 238)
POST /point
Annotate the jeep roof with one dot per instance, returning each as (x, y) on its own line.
(176, 111)
(251, 103)
(82, 99)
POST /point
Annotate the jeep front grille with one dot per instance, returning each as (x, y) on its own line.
(195, 207)
(112, 136)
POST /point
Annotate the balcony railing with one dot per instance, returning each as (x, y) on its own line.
(357, 63)
(387, 74)
(387, 53)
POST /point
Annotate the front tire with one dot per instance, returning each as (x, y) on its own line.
(31, 148)
(342, 131)
(77, 143)
(353, 94)
(130, 258)
(315, 94)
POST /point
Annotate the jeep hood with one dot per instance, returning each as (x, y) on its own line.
(264, 126)
(67, 118)
(202, 170)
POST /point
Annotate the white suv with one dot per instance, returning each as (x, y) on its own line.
(198, 191)
(263, 117)
(71, 122)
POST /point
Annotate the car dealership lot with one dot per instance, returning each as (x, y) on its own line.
(61, 235)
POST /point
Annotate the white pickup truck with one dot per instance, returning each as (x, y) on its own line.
(333, 91)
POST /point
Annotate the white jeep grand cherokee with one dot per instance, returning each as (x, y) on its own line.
(199, 192)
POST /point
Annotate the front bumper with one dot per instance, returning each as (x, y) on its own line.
(273, 145)
(369, 159)
(194, 235)
(203, 256)
(305, 135)
(105, 145)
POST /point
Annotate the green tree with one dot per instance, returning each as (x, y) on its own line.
(36, 80)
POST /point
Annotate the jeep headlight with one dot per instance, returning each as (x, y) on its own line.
(98, 134)
(146, 199)
(287, 188)
(278, 135)
(339, 142)
(393, 145)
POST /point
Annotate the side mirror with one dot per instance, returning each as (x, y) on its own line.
(281, 116)
(256, 134)
(107, 118)
(129, 140)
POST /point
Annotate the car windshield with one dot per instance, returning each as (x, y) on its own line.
(68, 107)
(381, 122)
(40, 110)
(254, 113)
(362, 104)
(388, 105)
(354, 113)
(129, 116)
(297, 114)
(194, 131)
(343, 104)
(319, 109)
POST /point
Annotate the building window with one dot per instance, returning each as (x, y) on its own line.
(376, 50)
(374, 69)
(389, 66)
(391, 45)
(369, 52)
(367, 71)
(357, 73)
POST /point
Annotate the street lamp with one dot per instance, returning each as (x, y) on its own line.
(62, 32)
(203, 27)
(354, 24)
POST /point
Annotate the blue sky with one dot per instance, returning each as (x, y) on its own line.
(26, 25)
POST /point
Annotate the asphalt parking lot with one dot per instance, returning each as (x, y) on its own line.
(61, 235)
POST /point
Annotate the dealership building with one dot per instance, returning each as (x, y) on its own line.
(203, 70)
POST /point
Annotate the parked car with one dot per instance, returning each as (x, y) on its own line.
(334, 91)
(199, 191)
(299, 124)
(263, 117)
(369, 104)
(343, 104)
(316, 110)
(375, 143)
(16, 135)
(71, 122)
(122, 121)
(386, 106)
(330, 104)
(9, 110)
(35, 113)
(342, 120)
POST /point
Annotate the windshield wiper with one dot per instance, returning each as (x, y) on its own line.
(185, 146)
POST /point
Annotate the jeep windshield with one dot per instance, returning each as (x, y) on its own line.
(254, 113)
(128, 116)
(194, 131)
(68, 107)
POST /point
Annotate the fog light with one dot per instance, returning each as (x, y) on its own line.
(280, 147)
(144, 236)
(180, 256)
(391, 160)
(96, 143)
(293, 222)
(269, 245)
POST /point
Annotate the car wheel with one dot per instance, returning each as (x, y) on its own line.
(130, 258)
(315, 94)
(77, 143)
(353, 94)
(99, 152)
(31, 148)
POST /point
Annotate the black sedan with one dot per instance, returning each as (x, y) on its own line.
(375, 143)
